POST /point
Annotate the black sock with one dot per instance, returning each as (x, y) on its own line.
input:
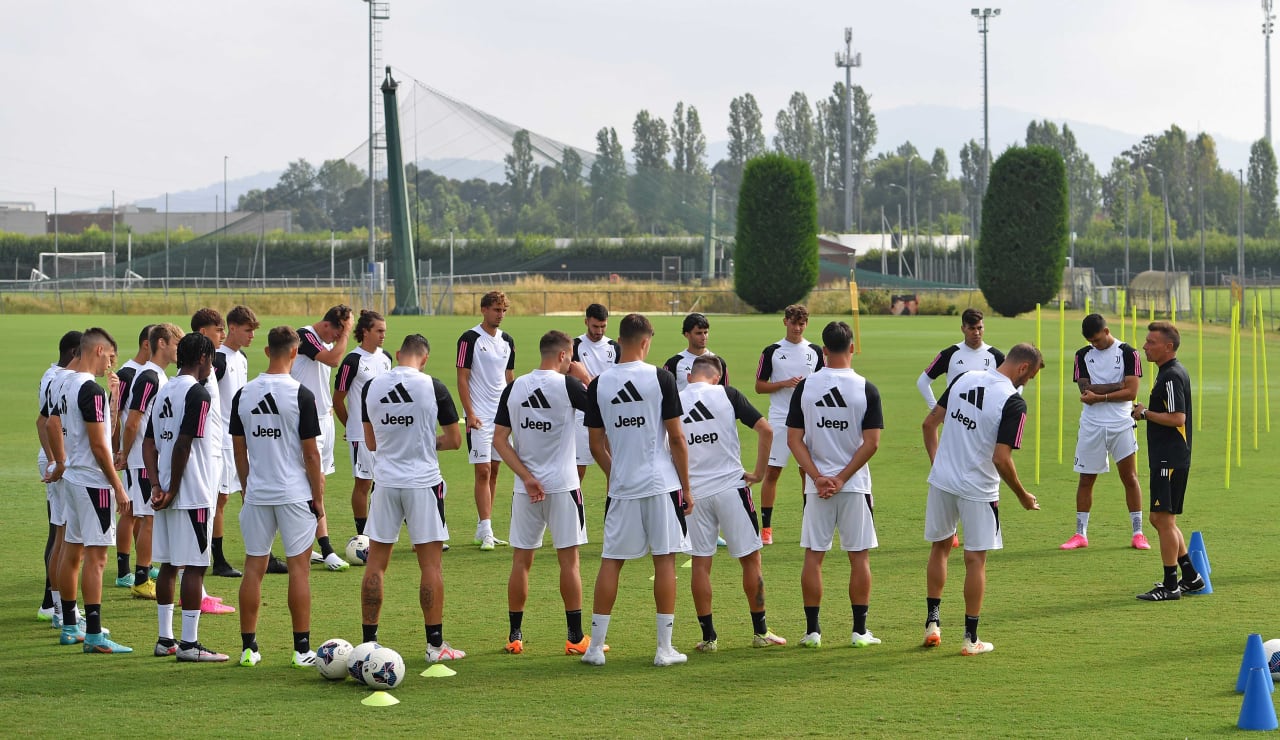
(515, 619)
(122, 565)
(1189, 571)
(574, 621)
(435, 635)
(369, 632)
(935, 611)
(970, 628)
(47, 601)
(218, 557)
(1171, 577)
(360, 522)
(93, 619)
(758, 624)
(182, 644)
(302, 641)
(325, 548)
(860, 618)
(166, 641)
(249, 641)
(141, 574)
(708, 627)
(766, 516)
(69, 613)
(811, 619)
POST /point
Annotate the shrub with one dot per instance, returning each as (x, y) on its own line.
(776, 252)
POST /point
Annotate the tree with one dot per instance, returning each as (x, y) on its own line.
(1261, 206)
(862, 142)
(746, 137)
(689, 155)
(649, 185)
(1082, 176)
(521, 171)
(608, 179)
(796, 133)
(776, 252)
(1023, 248)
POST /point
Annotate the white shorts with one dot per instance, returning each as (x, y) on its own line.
(325, 443)
(562, 513)
(361, 461)
(480, 444)
(91, 516)
(1094, 444)
(847, 511)
(296, 523)
(181, 537)
(138, 486)
(981, 520)
(634, 527)
(230, 481)
(582, 444)
(57, 505)
(779, 453)
(731, 511)
(422, 509)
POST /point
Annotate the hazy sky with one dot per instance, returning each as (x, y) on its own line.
(148, 97)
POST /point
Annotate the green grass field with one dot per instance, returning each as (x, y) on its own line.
(1076, 654)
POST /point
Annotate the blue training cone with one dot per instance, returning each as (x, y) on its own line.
(1197, 544)
(1201, 564)
(1255, 656)
(1256, 711)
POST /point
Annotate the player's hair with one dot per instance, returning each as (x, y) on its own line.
(493, 298)
(1024, 352)
(206, 317)
(552, 342)
(93, 337)
(598, 312)
(168, 332)
(970, 316)
(68, 346)
(365, 322)
(338, 314)
(243, 316)
(694, 321)
(1092, 324)
(144, 336)
(1168, 331)
(705, 366)
(416, 345)
(633, 328)
(193, 348)
(837, 337)
(281, 340)
(795, 312)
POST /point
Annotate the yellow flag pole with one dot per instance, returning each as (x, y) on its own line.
(1039, 416)
(1262, 350)
(1231, 389)
(1199, 407)
(1239, 381)
(857, 325)
(1062, 369)
(1253, 350)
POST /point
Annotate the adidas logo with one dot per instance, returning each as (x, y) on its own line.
(266, 406)
(832, 399)
(698, 413)
(974, 396)
(399, 394)
(959, 362)
(537, 401)
(166, 410)
(627, 394)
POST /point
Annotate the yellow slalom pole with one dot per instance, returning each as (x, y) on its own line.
(1239, 381)
(1253, 350)
(1231, 389)
(1262, 350)
(1038, 405)
(1199, 407)
(1088, 309)
(1062, 369)
(857, 326)
(1173, 308)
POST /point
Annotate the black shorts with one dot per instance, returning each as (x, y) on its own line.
(1168, 488)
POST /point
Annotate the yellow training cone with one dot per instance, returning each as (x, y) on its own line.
(437, 671)
(380, 699)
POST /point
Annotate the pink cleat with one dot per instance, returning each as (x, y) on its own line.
(1075, 543)
(1140, 542)
(212, 605)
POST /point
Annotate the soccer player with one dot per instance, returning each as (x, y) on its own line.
(50, 607)
(486, 364)
(182, 450)
(400, 410)
(362, 364)
(126, 529)
(696, 330)
(275, 431)
(323, 347)
(1108, 372)
(1168, 417)
(833, 430)
(82, 413)
(716, 474)
(984, 415)
(783, 365)
(533, 431)
(596, 353)
(208, 322)
(231, 372)
(633, 412)
(970, 354)
(142, 393)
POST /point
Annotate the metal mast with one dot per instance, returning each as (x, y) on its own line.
(984, 17)
(848, 60)
(379, 10)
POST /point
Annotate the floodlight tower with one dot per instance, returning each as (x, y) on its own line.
(848, 60)
(1268, 24)
(984, 17)
(379, 10)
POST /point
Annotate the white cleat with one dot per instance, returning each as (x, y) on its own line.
(593, 656)
(667, 656)
(333, 562)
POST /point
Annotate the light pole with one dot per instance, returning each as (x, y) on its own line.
(1164, 196)
(848, 60)
(1268, 22)
(225, 157)
(984, 17)
(901, 236)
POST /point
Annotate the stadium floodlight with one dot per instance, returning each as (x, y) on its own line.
(984, 18)
(1268, 25)
(848, 60)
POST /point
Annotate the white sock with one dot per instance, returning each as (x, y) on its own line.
(1135, 518)
(1082, 523)
(485, 527)
(599, 630)
(164, 619)
(665, 623)
(190, 625)
(57, 603)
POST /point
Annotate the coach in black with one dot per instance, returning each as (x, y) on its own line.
(1168, 417)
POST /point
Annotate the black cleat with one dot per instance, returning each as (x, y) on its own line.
(1160, 593)
(1192, 587)
(226, 570)
(276, 565)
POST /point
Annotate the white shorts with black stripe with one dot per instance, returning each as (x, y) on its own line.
(181, 537)
(731, 511)
(422, 509)
(981, 520)
(91, 516)
(562, 513)
(779, 452)
(635, 527)
(138, 486)
(849, 512)
(361, 461)
(480, 444)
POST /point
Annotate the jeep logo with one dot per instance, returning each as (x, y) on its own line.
(266, 432)
(825, 423)
(539, 426)
(389, 419)
(629, 421)
(969, 424)
(701, 438)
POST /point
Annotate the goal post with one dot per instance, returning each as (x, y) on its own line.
(98, 266)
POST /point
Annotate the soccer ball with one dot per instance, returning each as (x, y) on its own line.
(358, 550)
(356, 658)
(1271, 648)
(331, 658)
(383, 669)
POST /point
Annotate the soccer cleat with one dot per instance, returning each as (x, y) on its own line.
(226, 570)
(487, 542)
(71, 635)
(154, 573)
(767, 639)
(103, 645)
(955, 541)
(250, 658)
(125, 581)
(1076, 542)
(1160, 593)
(164, 651)
(707, 646)
(277, 566)
(593, 656)
(932, 635)
(1139, 542)
(445, 547)
(515, 647)
(316, 557)
(444, 652)
(581, 646)
(976, 648)
(304, 660)
(864, 639)
(669, 656)
(1192, 587)
(721, 543)
(198, 653)
(144, 590)
(44, 615)
(333, 562)
(213, 605)
(811, 640)
(766, 535)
